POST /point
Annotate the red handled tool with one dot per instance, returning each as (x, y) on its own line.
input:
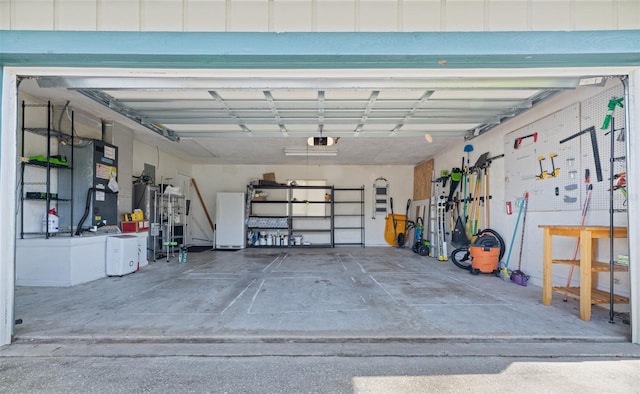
(519, 140)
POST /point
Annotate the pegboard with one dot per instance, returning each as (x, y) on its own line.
(594, 111)
(566, 136)
(536, 163)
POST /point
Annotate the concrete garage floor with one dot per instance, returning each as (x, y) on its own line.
(373, 294)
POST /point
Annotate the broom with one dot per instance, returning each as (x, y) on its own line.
(518, 276)
(504, 272)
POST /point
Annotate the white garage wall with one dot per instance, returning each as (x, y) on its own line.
(167, 165)
(212, 179)
(222, 178)
(493, 142)
(319, 15)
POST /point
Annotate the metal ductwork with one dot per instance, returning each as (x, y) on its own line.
(107, 129)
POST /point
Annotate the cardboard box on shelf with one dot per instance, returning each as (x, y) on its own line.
(269, 176)
(134, 227)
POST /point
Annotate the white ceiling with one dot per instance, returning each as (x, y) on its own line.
(251, 116)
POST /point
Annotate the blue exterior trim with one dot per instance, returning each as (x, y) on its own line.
(320, 50)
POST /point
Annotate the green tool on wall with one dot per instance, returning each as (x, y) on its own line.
(611, 107)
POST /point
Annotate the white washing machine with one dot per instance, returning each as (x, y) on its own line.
(122, 255)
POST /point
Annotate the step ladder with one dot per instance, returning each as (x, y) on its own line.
(433, 225)
(442, 230)
(437, 222)
(380, 197)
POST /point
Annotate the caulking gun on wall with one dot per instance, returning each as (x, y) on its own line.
(613, 103)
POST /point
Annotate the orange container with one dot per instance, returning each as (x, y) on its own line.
(484, 258)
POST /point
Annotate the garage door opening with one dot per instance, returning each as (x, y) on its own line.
(399, 280)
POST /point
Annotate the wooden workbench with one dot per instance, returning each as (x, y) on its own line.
(588, 265)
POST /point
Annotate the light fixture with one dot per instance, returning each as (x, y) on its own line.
(320, 141)
(592, 81)
(307, 152)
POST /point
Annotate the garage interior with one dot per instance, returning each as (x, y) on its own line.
(354, 293)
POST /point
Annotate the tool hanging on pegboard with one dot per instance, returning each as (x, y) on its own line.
(594, 147)
(555, 171)
(518, 141)
(380, 199)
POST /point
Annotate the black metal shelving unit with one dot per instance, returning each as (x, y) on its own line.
(267, 215)
(50, 199)
(348, 216)
(287, 220)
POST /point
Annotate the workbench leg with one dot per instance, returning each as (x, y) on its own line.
(586, 253)
(594, 253)
(547, 286)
